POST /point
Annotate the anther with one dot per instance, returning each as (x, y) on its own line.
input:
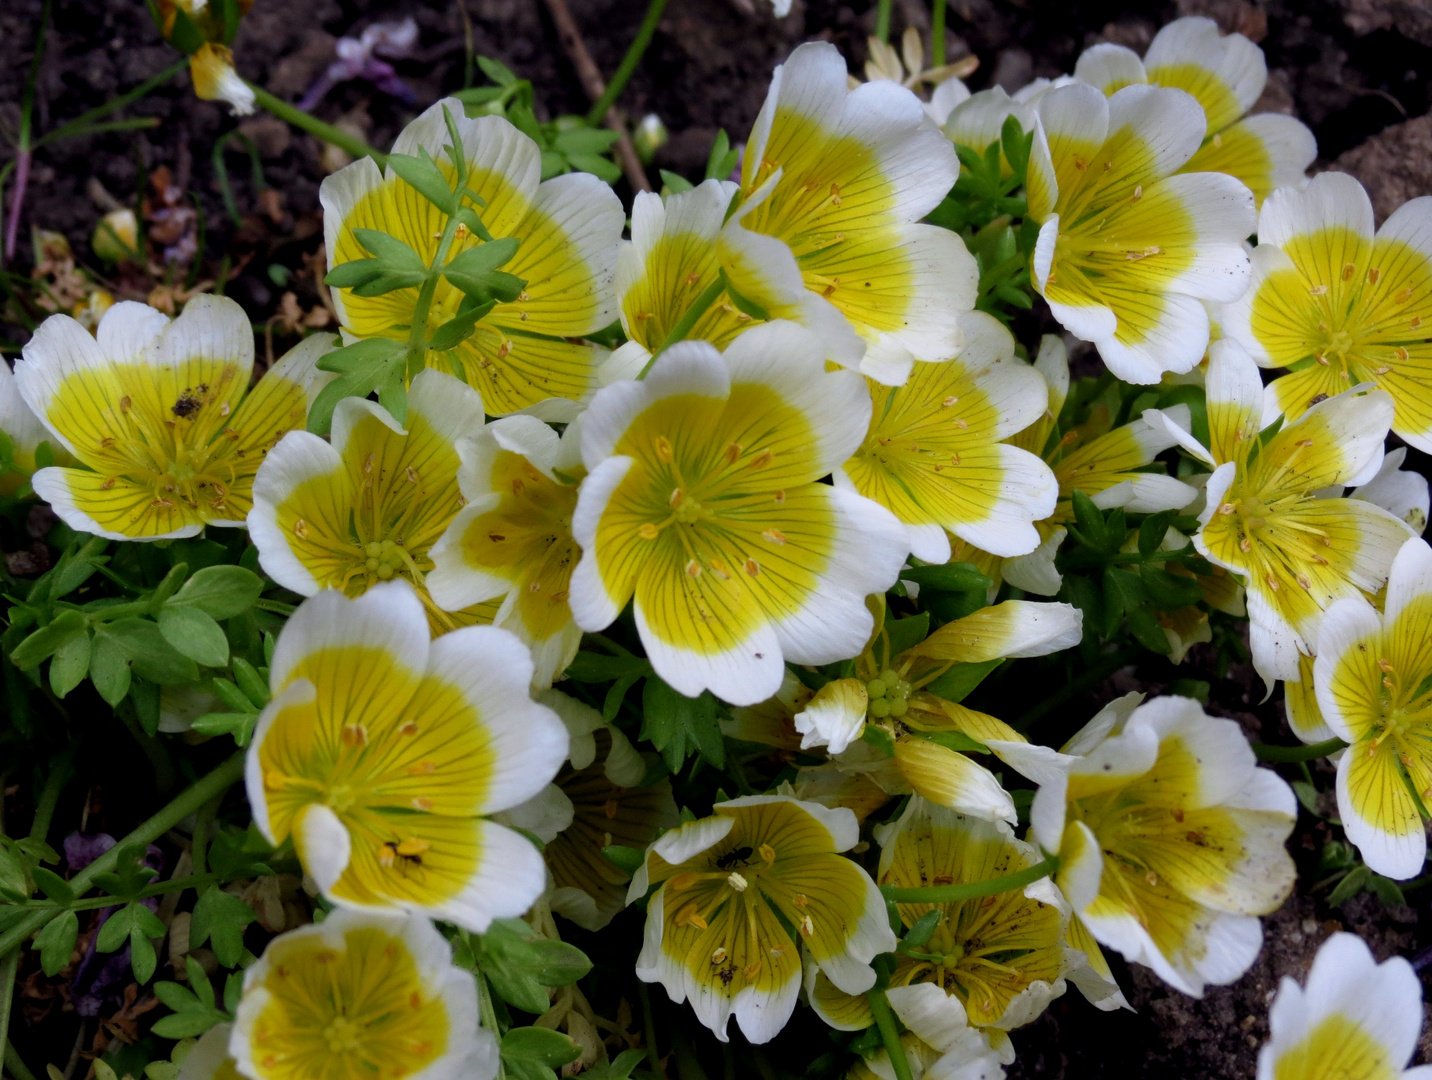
(737, 882)
(768, 853)
(648, 531)
(355, 735)
(808, 927)
(752, 567)
(719, 956)
(124, 404)
(1373, 274)
(761, 460)
(1348, 271)
(773, 536)
(663, 448)
(1318, 290)
(693, 568)
(676, 498)
(733, 453)
(1138, 192)
(423, 768)
(1402, 295)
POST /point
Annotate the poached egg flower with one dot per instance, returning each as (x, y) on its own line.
(1129, 247)
(1373, 681)
(933, 453)
(1226, 75)
(1170, 839)
(842, 178)
(524, 354)
(370, 506)
(1272, 515)
(356, 996)
(702, 503)
(740, 894)
(160, 415)
(382, 752)
(1340, 304)
(513, 540)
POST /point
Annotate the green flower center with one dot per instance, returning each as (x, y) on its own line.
(342, 1035)
(889, 696)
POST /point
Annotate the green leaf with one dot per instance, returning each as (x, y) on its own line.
(220, 592)
(395, 255)
(559, 963)
(459, 328)
(354, 272)
(676, 724)
(134, 918)
(44, 642)
(176, 997)
(907, 632)
(53, 886)
(624, 858)
(599, 167)
(497, 71)
(585, 140)
(56, 942)
(617, 1069)
(423, 174)
(923, 929)
(1152, 531)
(254, 685)
(187, 1025)
(675, 183)
(70, 664)
(195, 635)
(1351, 884)
(109, 669)
(951, 577)
(238, 724)
(150, 655)
(960, 681)
(1090, 522)
(220, 919)
(532, 1053)
(141, 957)
(1167, 591)
(508, 961)
(956, 741)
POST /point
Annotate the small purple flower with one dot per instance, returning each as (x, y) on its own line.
(358, 59)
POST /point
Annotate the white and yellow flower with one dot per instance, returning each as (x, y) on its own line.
(1170, 839)
(739, 896)
(1129, 247)
(383, 751)
(977, 120)
(1270, 516)
(1373, 681)
(370, 506)
(968, 1057)
(513, 540)
(1226, 75)
(160, 416)
(1339, 303)
(842, 179)
(933, 453)
(676, 252)
(998, 960)
(524, 355)
(356, 996)
(702, 503)
(25, 432)
(908, 751)
(212, 69)
(1356, 1018)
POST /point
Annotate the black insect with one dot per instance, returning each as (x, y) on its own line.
(190, 401)
(735, 857)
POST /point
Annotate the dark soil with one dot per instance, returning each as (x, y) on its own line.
(1354, 70)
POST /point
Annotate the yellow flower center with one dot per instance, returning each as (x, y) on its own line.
(342, 1035)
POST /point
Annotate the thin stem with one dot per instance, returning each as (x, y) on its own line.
(885, 1021)
(50, 795)
(24, 147)
(487, 1015)
(598, 111)
(882, 21)
(648, 1028)
(8, 969)
(198, 845)
(186, 803)
(937, 33)
(1267, 752)
(351, 145)
(418, 335)
(953, 894)
(686, 322)
(14, 1066)
(278, 607)
(85, 119)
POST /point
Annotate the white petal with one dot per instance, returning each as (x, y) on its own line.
(1108, 67)
(300, 456)
(388, 617)
(1331, 200)
(1236, 61)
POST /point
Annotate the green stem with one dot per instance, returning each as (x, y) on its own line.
(50, 795)
(14, 1066)
(885, 1021)
(418, 335)
(186, 803)
(351, 145)
(882, 21)
(953, 894)
(1267, 752)
(648, 1029)
(278, 607)
(603, 104)
(683, 326)
(159, 888)
(84, 119)
(488, 1016)
(8, 969)
(937, 34)
(198, 846)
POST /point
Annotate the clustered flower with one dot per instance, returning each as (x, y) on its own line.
(839, 409)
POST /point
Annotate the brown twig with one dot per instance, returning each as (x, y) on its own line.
(592, 82)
